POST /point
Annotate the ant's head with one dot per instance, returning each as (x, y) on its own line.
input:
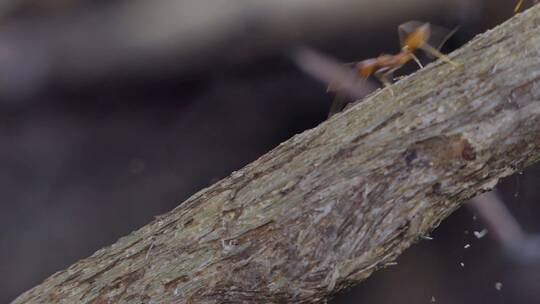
(417, 38)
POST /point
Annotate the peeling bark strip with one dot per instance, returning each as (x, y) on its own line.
(331, 205)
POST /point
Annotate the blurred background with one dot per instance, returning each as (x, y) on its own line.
(113, 112)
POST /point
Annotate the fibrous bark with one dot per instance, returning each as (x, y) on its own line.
(326, 208)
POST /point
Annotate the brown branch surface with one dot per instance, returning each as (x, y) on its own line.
(326, 208)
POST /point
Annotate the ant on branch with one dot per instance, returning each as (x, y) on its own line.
(414, 36)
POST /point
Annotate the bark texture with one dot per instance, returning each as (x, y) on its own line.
(326, 208)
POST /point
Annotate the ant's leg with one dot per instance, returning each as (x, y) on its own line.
(417, 60)
(433, 51)
(384, 76)
(518, 6)
(339, 84)
(338, 104)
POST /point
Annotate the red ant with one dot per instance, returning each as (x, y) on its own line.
(413, 36)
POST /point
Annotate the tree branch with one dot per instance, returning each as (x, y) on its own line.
(326, 208)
